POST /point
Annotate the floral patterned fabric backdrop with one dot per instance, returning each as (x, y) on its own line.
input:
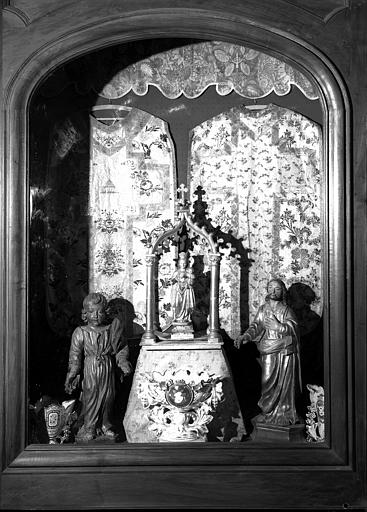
(132, 187)
(191, 69)
(261, 173)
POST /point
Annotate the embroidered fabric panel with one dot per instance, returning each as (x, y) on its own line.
(131, 190)
(261, 171)
(191, 69)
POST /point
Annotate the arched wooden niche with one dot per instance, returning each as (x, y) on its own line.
(136, 25)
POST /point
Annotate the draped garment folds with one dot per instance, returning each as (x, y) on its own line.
(183, 300)
(279, 353)
(100, 349)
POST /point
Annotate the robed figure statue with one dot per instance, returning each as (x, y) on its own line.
(98, 351)
(275, 332)
(183, 297)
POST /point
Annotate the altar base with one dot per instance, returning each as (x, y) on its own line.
(269, 432)
(188, 356)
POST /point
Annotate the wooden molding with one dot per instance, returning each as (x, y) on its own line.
(19, 15)
(172, 476)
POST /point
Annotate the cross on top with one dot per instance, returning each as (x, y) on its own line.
(182, 190)
(200, 192)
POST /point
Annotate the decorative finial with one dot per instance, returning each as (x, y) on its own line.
(200, 192)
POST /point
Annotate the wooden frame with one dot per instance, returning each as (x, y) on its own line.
(183, 476)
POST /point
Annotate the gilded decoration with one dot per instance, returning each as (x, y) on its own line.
(59, 420)
(179, 403)
(315, 418)
(183, 391)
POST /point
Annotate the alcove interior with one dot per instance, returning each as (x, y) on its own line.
(56, 292)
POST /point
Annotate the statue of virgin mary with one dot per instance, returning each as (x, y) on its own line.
(183, 297)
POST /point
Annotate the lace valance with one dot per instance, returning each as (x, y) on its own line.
(191, 69)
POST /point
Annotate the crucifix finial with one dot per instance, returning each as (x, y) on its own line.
(200, 192)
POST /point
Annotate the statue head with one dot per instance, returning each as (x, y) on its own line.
(182, 261)
(276, 290)
(94, 309)
(182, 278)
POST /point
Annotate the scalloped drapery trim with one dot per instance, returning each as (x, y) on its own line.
(190, 70)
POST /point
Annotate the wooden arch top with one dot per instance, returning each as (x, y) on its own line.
(114, 477)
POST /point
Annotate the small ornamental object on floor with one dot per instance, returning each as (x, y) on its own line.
(315, 422)
(59, 419)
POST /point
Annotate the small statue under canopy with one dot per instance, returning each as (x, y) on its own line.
(183, 298)
(182, 389)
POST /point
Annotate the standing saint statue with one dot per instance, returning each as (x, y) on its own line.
(275, 331)
(183, 297)
(98, 348)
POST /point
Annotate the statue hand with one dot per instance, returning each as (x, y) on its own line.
(71, 383)
(241, 340)
(238, 342)
(125, 368)
(272, 323)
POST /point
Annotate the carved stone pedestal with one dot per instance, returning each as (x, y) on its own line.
(268, 432)
(183, 391)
